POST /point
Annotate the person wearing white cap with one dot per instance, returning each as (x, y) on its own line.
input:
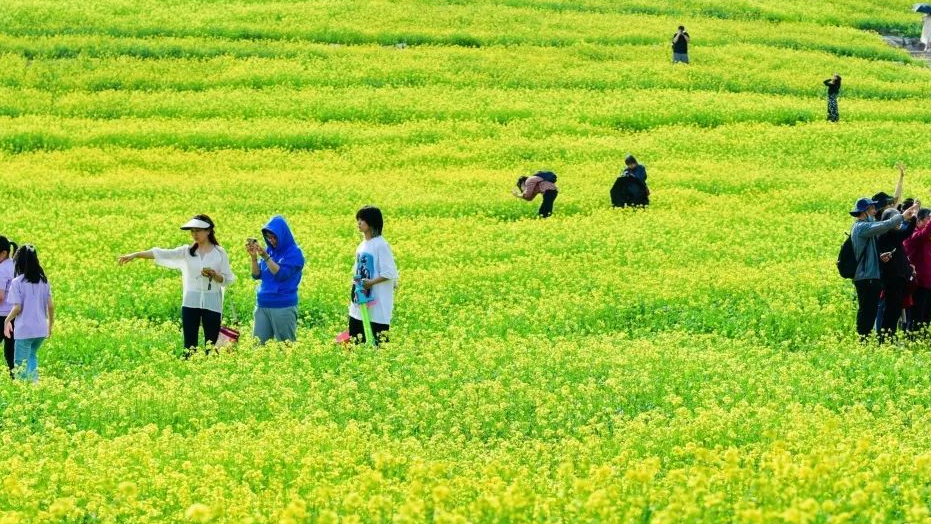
(205, 272)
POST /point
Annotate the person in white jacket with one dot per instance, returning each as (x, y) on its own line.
(205, 273)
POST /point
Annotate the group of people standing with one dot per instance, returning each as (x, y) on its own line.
(27, 311)
(891, 241)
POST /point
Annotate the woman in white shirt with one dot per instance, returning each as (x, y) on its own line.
(205, 272)
(375, 268)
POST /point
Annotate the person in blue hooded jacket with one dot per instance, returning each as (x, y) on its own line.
(279, 271)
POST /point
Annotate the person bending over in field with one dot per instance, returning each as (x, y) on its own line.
(33, 312)
(279, 272)
(374, 268)
(7, 250)
(205, 273)
(542, 182)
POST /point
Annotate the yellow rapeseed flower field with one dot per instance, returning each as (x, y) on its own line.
(692, 362)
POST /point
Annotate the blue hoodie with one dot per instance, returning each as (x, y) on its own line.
(280, 290)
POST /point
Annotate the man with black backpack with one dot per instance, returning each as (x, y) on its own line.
(542, 182)
(864, 259)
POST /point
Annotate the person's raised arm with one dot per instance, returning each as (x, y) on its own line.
(897, 197)
(874, 229)
(125, 259)
(253, 249)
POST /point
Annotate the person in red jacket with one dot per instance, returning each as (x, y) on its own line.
(918, 250)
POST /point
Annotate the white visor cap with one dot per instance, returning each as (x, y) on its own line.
(195, 222)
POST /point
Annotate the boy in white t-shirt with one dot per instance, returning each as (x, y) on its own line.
(374, 265)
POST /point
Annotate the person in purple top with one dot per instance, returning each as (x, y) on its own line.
(7, 250)
(33, 312)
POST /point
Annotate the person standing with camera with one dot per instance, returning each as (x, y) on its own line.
(205, 272)
(680, 46)
(833, 85)
(278, 267)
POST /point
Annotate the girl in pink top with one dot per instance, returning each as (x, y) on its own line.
(33, 312)
(7, 249)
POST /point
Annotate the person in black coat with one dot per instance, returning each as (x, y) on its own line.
(630, 189)
(895, 273)
(833, 85)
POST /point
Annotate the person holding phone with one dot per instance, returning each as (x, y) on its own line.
(833, 85)
(680, 46)
(895, 272)
(205, 273)
(278, 267)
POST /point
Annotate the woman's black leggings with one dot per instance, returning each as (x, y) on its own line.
(7, 347)
(191, 320)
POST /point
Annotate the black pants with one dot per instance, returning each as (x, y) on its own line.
(7, 347)
(868, 292)
(546, 208)
(191, 320)
(894, 294)
(921, 309)
(357, 331)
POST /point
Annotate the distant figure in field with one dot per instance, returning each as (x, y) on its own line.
(7, 250)
(630, 189)
(33, 312)
(541, 183)
(833, 84)
(680, 46)
(205, 273)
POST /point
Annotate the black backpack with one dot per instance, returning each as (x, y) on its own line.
(847, 259)
(549, 176)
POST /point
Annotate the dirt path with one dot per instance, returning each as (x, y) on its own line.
(912, 45)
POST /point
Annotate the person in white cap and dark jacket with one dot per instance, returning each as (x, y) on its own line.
(863, 235)
(205, 272)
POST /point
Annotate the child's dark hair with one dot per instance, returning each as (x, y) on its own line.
(7, 245)
(372, 216)
(27, 264)
(520, 182)
(924, 213)
(210, 234)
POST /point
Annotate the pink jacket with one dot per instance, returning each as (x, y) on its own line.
(918, 251)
